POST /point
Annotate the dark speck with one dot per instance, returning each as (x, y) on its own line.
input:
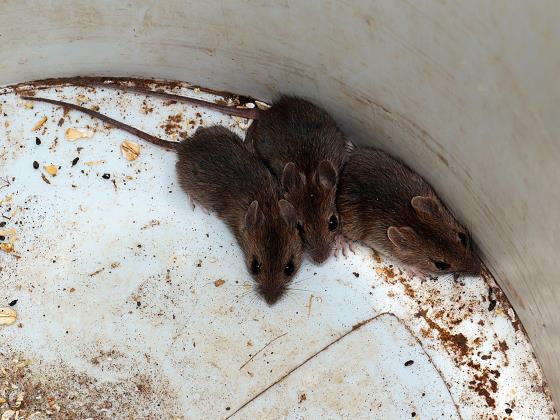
(138, 304)
(228, 408)
(408, 362)
(37, 141)
(35, 165)
(2, 224)
(106, 176)
(508, 410)
(413, 414)
(2, 238)
(356, 274)
(492, 305)
(13, 302)
(75, 161)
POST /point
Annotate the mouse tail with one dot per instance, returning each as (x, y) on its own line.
(171, 145)
(249, 113)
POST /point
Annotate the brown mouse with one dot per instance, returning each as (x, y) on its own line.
(249, 113)
(217, 171)
(385, 205)
(303, 147)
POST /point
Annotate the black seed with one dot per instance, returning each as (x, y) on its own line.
(492, 305)
(413, 414)
(356, 274)
(35, 165)
(75, 161)
(13, 302)
(37, 141)
(138, 304)
(228, 408)
(106, 176)
(408, 362)
(2, 238)
(508, 410)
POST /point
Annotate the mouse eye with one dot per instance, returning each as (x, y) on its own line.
(289, 269)
(464, 239)
(441, 265)
(333, 223)
(255, 266)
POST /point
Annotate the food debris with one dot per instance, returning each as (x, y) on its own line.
(45, 179)
(302, 397)
(72, 290)
(24, 363)
(8, 414)
(151, 224)
(35, 165)
(51, 169)
(106, 176)
(130, 150)
(28, 104)
(40, 123)
(81, 99)
(73, 134)
(6, 247)
(309, 303)
(263, 106)
(75, 160)
(94, 162)
(219, 282)
(37, 141)
(7, 316)
(6, 199)
(8, 232)
(242, 123)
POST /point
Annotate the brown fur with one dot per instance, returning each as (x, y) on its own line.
(218, 172)
(295, 131)
(385, 205)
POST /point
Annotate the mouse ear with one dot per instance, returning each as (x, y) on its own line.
(288, 213)
(427, 208)
(326, 174)
(291, 177)
(402, 237)
(253, 215)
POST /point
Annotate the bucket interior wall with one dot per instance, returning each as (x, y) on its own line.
(465, 93)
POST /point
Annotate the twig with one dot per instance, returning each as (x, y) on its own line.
(265, 346)
(355, 327)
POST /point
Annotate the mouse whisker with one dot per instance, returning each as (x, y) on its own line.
(301, 290)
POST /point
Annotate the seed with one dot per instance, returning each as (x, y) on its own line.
(106, 176)
(37, 141)
(35, 165)
(75, 161)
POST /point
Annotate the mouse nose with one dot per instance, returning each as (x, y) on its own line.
(271, 295)
(320, 256)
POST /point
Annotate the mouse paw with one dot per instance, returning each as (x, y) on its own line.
(343, 245)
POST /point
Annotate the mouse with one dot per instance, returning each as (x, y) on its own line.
(385, 205)
(303, 147)
(243, 112)
(218, 172)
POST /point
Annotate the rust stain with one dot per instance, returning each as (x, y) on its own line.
(173, 124)
(457, 343)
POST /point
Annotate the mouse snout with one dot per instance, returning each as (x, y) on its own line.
(320, 255)
(271, 294)
(475, 267)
